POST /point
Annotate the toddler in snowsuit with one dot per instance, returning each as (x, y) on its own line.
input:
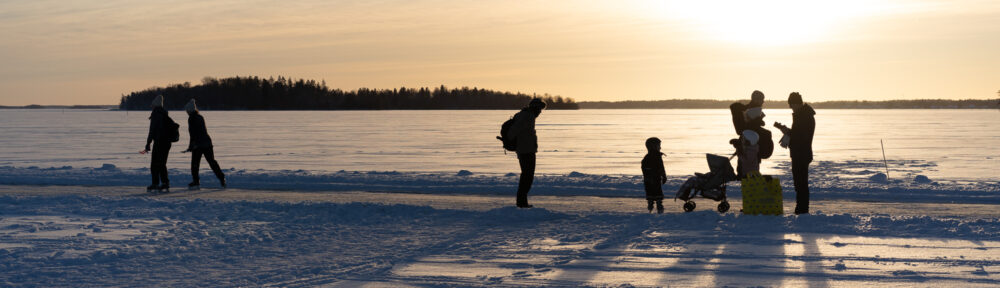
(653, 174)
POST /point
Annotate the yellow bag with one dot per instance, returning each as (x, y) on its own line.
(761, 195)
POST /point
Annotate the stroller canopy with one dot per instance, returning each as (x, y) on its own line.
(721, 168)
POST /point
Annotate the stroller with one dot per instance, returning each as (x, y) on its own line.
(711, 185)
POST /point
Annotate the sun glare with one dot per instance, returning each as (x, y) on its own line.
(767, 22)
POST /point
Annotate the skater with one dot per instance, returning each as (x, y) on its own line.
(653, 175)
(160, 126)
(799, 144)
(200, 145)
(523, 130)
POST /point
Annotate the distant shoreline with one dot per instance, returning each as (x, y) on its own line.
(854, 104)
(659, 104)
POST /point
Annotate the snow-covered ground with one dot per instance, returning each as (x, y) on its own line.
(94, 226)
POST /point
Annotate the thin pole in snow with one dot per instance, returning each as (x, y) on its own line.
(883, 159)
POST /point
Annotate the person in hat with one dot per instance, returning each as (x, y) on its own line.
(158, 135)
(200, 145)
(653, 175)
(739, 110)
(800, 138)
(523, 129)
(749, 156)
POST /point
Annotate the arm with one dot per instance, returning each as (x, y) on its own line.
(153, 123)
(192, 124)
(663, 171)
(784, 129)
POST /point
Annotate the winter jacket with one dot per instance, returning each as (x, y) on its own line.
(523, 131)
(158, 121)
(198, 132)
(653, 174)
(803, 128)
(750, 159)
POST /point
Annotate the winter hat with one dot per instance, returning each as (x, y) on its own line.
(652, 142)
(157, 102)
(754, 113)
(191, 107)
(757, 98)
(750, 136)
(536, 103)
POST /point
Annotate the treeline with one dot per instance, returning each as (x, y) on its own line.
(724, 104)
(254, 93)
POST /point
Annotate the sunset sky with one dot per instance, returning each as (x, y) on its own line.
(92, 52)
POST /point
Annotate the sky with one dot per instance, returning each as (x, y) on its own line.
(62, 52)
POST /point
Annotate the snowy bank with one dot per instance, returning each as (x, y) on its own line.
(829, 181)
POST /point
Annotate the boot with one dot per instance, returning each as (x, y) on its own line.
(649, 206)
(659, 207)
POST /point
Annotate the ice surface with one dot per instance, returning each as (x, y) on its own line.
(135, 240)
(941, 144)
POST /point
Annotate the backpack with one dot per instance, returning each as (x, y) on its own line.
(509, 143)
(173, 130)
(766, 143)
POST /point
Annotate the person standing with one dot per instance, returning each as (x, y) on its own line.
(800, 138)
(199, 145)
(523, 131)
(159, 135)
(653, 175)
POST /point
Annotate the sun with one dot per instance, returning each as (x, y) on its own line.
(766, 22)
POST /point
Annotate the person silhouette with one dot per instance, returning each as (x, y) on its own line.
(159, 136)
(800, 138)
(653, 175)
(200, 144)
(523, 130)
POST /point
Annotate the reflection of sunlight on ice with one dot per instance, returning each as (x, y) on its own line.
(455, 266)
(549, 244)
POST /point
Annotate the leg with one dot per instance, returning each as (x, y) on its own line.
(649, 205)
(195, 165)
(527, 161)
(800, 175)
(154, 171)
(659, 206)
(160, 153)
(210, 157)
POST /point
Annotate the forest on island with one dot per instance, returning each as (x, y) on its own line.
(255, 93)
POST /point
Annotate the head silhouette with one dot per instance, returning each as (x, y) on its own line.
(653, 144)
(756, 99)
(536, 105)
(795, 100)
(191, 107)
(157, 102)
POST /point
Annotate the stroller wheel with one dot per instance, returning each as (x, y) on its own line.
(723, 207)
(689, 206)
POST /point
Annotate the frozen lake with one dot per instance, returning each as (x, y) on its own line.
(942, 144)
